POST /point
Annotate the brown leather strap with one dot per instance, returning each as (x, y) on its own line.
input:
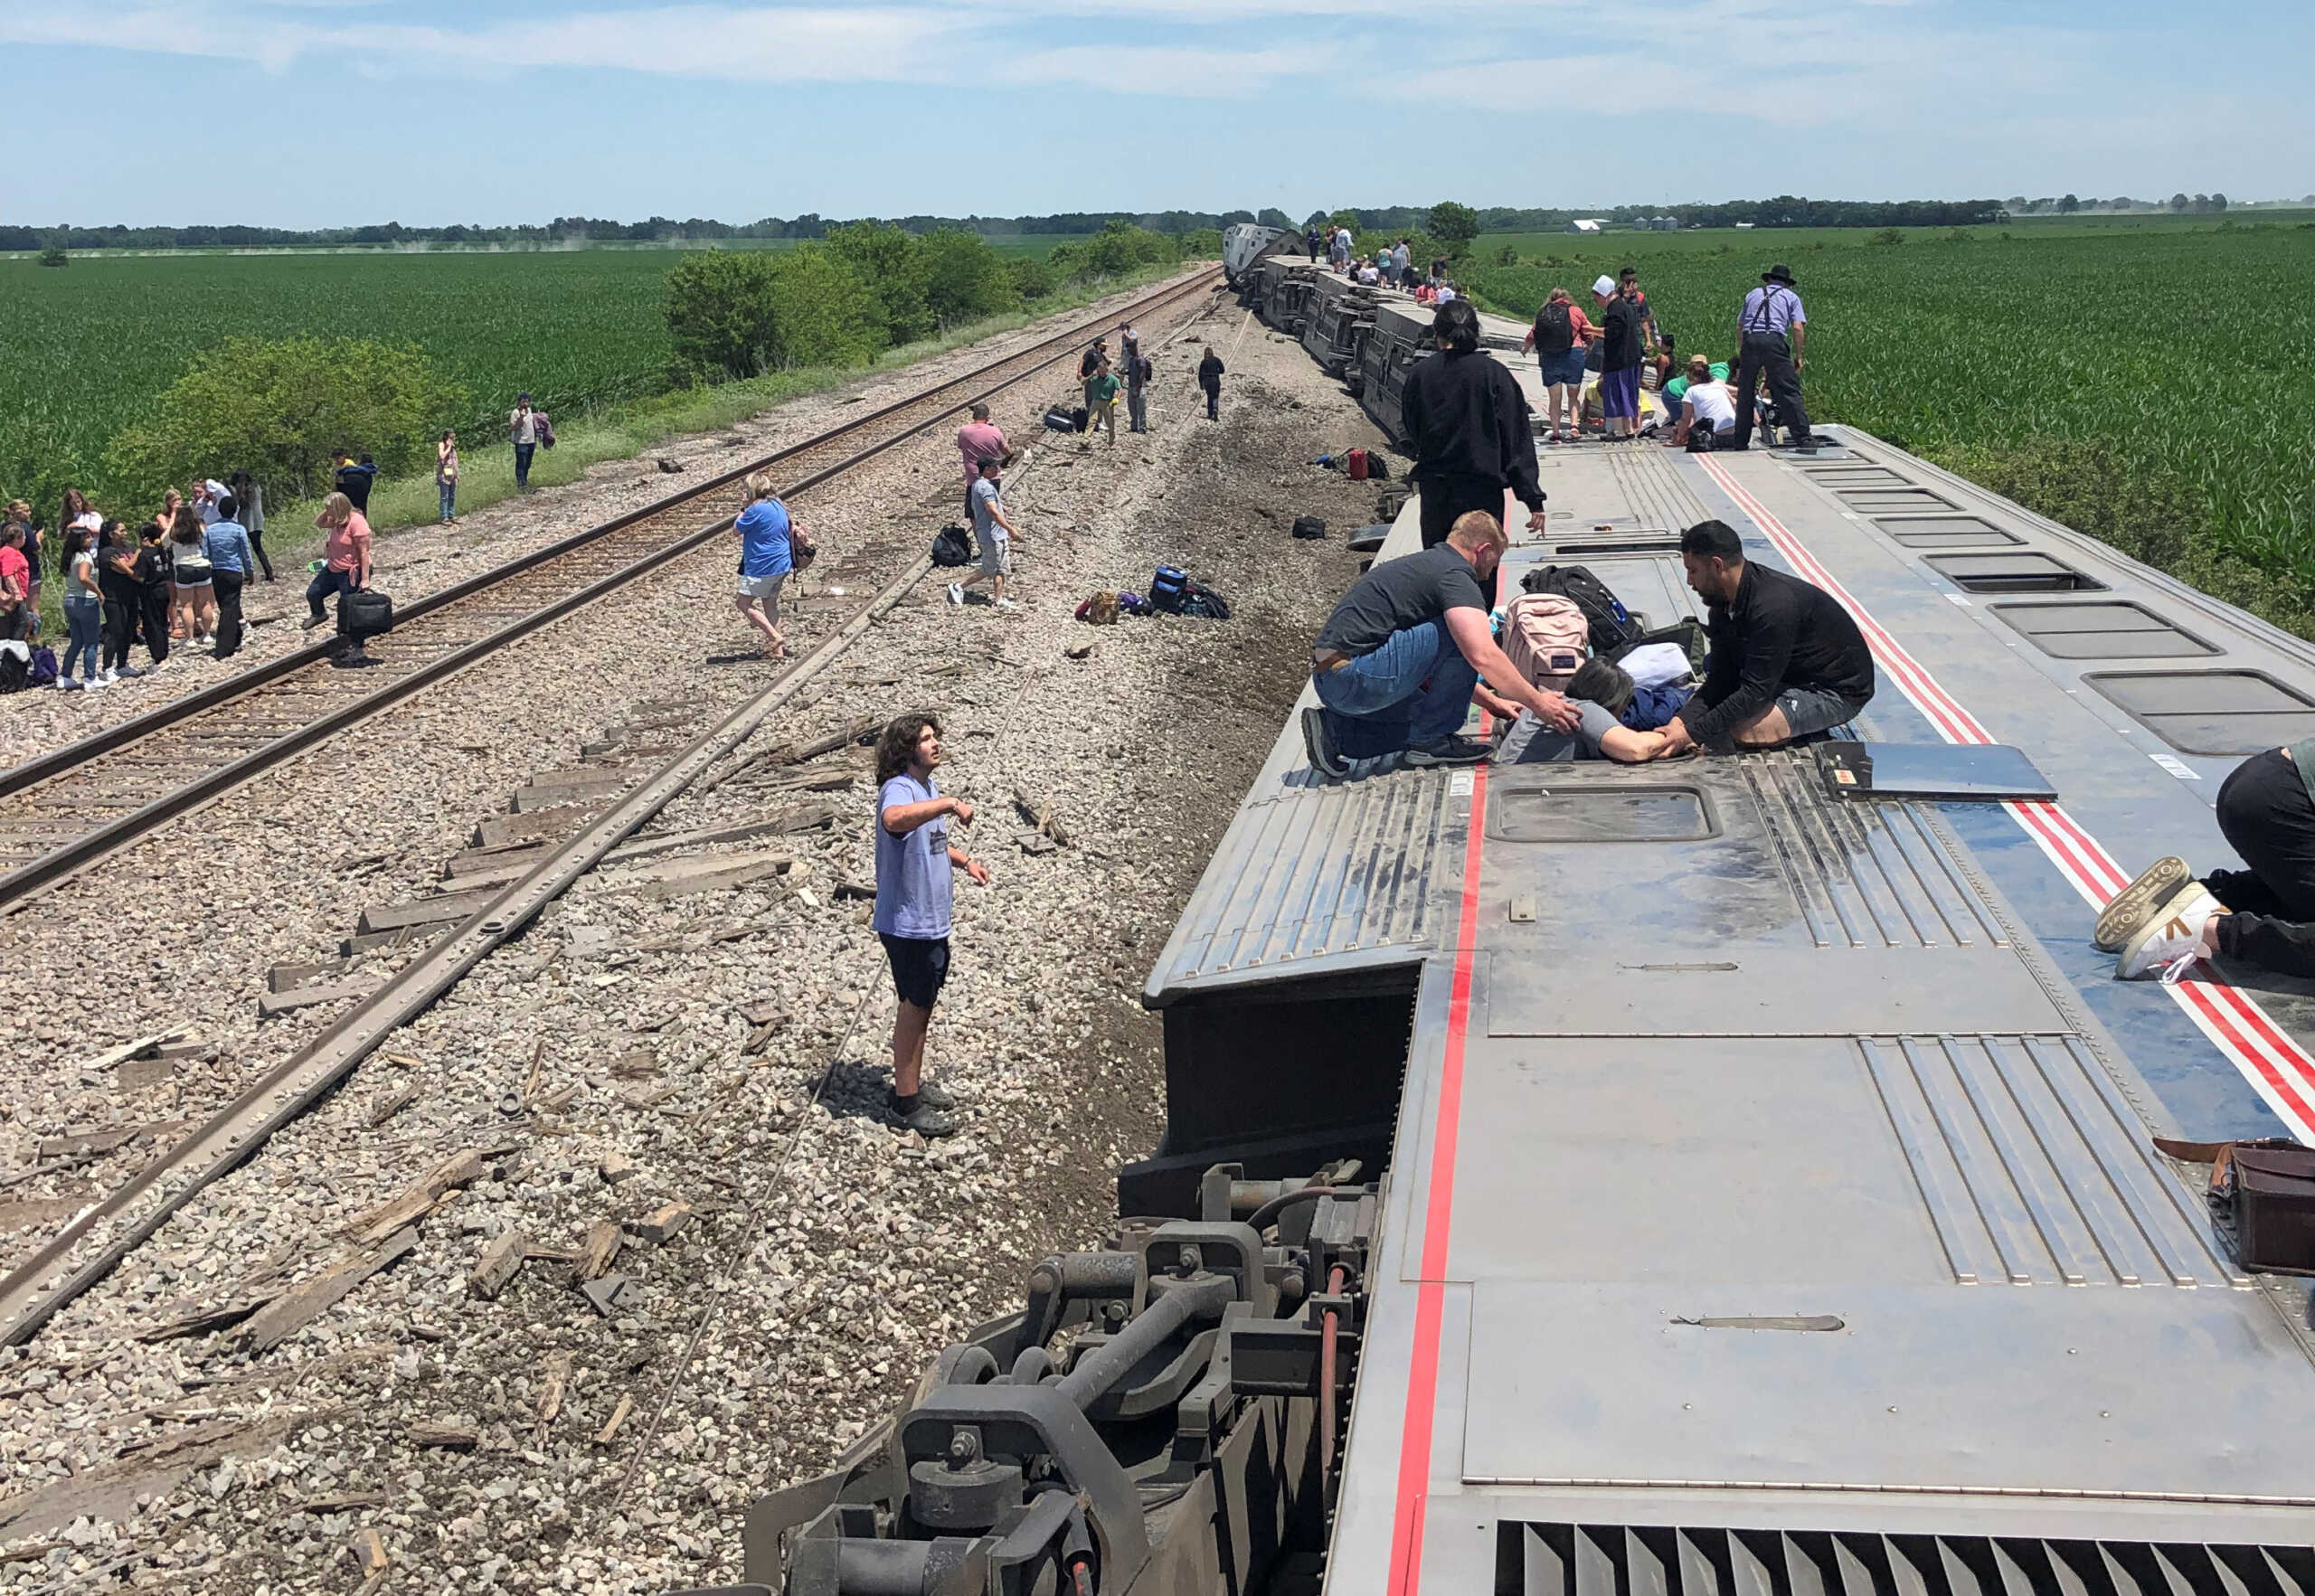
(2192, 1152)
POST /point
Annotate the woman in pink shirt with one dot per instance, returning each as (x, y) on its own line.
(979, 440)
(347, 565)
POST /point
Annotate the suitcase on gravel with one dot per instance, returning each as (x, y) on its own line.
(365, 613)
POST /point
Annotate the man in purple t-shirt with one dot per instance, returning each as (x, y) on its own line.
(914, 860)
(979, 440)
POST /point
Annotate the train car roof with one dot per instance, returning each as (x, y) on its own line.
(1773, 1164)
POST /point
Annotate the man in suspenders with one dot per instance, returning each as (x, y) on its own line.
(1771, 331)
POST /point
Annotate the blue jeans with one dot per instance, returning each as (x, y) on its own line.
(1415, 688)
(83, 618)
(522, 453)
(325, 583)
(449, 492)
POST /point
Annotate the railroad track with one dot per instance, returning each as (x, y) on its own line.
(113, 1226)
(147, 771)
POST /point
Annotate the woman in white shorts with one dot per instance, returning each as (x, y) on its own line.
(770, 541)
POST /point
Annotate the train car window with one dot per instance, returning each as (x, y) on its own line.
(2102, 629)
(2013, 573)
(1947, 532)
(2216, 713)
(1577, 811)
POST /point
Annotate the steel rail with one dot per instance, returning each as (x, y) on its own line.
(70, 858)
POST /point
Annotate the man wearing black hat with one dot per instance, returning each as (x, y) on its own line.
(1771, 331)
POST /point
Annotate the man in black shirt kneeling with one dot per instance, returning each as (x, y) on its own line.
(1786, 660)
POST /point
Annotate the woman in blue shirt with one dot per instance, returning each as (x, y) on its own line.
(770, 541)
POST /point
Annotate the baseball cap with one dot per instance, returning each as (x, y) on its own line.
(1604, 285)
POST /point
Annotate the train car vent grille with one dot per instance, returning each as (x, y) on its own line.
(2214, 713)
(1622, 1560)
(2012, 573)
(2101, 630)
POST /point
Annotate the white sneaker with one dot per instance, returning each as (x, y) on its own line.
(1006, 604)
(956, 592)
(2168, 945)
(93, 683)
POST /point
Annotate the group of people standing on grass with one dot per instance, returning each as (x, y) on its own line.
(1709, 404)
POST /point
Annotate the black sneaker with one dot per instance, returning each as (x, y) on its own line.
(926, 1120)
(1320, 746)
(1449, 751)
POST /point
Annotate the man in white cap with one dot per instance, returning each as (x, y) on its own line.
(1620, 352)
(1771, 330)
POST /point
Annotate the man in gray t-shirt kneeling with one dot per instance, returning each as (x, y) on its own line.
(994, 533)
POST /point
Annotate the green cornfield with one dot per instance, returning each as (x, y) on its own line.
(92, 346)
(2167, 358)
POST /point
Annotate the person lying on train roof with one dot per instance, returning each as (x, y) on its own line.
(1599, 691)
(1395, 665)
(2167, 920)
(1786, 660)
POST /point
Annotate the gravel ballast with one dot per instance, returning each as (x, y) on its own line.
(643, 1047)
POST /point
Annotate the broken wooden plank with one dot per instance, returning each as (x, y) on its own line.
(459, 1169)
(618, 1417)
(678, 841)
(545, 824)
(662, 1225)
(602, 1245)
(103, 1139)
(526, 800)
(288, 977)
(420, 912)
(273, 1005)
(617, 1167)
(586, 776)
(371, 1547)
(448, 1434)
(294, 1309)
(113, 1057)
(719, 882)
(556, 1382)
(496, 1269)
(1038, 812)
(387, 1104)
(413, 937)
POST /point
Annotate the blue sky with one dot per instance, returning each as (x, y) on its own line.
(341, 112)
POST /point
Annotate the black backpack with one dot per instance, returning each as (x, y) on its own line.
(952, 546)
(1204, 603)
(1554, 329)
(16, 668)
(1612, 625)
(1310, 526)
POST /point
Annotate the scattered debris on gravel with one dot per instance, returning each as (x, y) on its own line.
(614, 1238)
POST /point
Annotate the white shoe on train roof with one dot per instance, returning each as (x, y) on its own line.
(2171, 940)
(2126, 914)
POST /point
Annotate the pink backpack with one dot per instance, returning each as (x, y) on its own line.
(1546, 636)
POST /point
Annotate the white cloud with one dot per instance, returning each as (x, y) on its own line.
(1195, 73)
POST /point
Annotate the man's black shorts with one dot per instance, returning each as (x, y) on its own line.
(919, 967)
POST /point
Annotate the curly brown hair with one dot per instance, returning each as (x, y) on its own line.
(896, 745)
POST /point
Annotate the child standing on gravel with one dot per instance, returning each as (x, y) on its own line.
(913, 859)
(993, 536)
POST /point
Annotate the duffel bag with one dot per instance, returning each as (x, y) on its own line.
(364, 612)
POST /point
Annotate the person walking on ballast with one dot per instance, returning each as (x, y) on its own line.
(1471, 433)
(346, 556)
(914, 859)
(1771, 332)
(1209, 379)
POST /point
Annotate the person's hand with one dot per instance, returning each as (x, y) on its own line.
(962, 810)
(1675, 738)
(1653, 745)
(1537, 521)
(1800, 365)
(1558, 712)
(978, 871)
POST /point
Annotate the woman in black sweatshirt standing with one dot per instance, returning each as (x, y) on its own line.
(1209, 377)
